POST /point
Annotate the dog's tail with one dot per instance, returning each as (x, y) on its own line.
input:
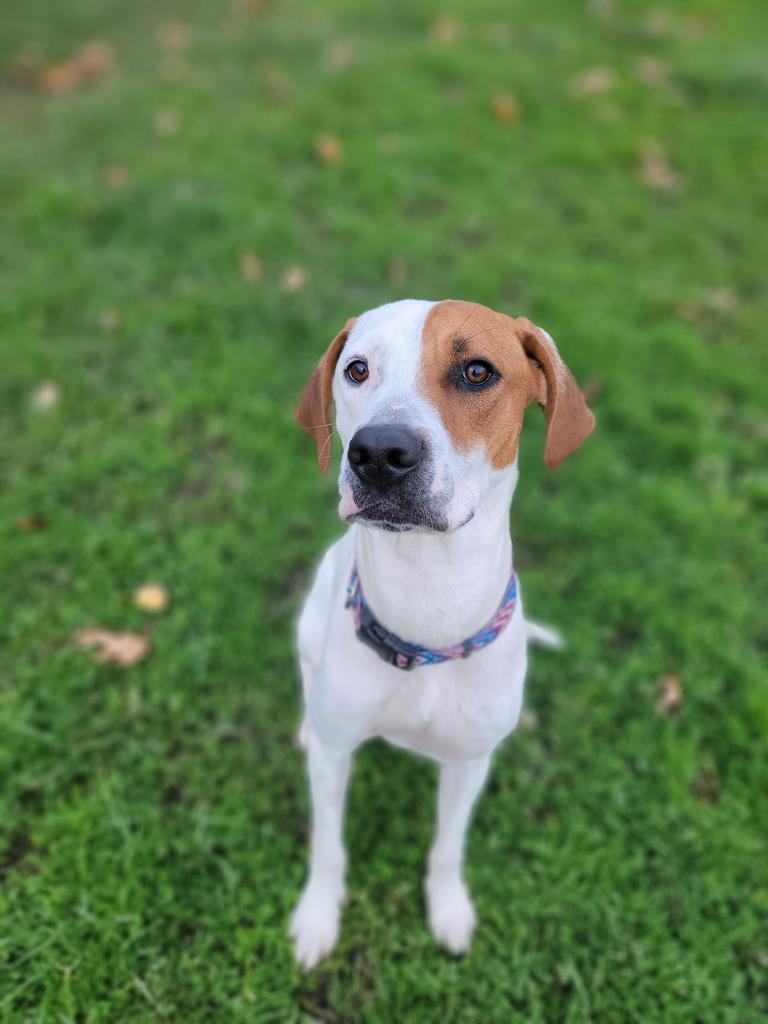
(543, 635)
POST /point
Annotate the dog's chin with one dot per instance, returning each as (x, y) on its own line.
(397, 522)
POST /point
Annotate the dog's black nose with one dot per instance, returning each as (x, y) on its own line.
(382, 454)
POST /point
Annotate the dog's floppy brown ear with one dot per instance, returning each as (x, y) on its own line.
(314, 412)
(569, 419)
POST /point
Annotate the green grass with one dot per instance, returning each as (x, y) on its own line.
(154, 819)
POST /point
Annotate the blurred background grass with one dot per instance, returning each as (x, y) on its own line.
(189, 213)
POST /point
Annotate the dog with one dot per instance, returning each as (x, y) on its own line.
(413, 629)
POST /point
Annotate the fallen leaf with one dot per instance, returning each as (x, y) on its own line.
(250, 267)
(706, 786)
(115, 176)
(658, 23)
(294, 279)
(593, 388)
(722, 300)
(593, 81)
(602, 8)
(397, 272)
(92, 62)
(528, 719)
(652, 70)
(670, 695)
(445, 30)
(252, 7)
(328, 148)
(111, 319)
(506, 107)
(655, 170)
(32, 523)
(712, 300)
(340, 55)
(45, 396)
(123, 649)
(167, 123)
(278, 84)
(152, 597)
(173, 35)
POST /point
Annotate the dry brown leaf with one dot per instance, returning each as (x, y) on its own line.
(652, 70)
(111, 319)
(528, 719)
(593, 81)
(116, 648)
(91, 63)
(655, 170)
(722, 300)
(593, 388)
(173, 35)
(445, 30)
(397, 272)
(659, 23)
(670, 695)
(328, 148)
(506, 107)
(32, 523)
(152, 597)
(294, 279)
(115, 176)
(167, 123)
(340, 55)
(252, 7)
(250, 267)
(45, 396)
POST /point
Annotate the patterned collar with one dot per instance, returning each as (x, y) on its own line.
(404, 655)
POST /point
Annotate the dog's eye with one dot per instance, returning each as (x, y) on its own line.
(357, 371)
(477, 373)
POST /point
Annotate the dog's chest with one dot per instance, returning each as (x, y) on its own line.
(457, 710)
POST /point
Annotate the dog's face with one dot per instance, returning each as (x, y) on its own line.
(430, 398)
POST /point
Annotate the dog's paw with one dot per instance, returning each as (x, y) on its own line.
(315, 923)
(451, 915)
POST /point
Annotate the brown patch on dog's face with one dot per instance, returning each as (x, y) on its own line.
(526, 367)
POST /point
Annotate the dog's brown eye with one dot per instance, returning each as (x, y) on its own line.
(477, 373)
(357, 371)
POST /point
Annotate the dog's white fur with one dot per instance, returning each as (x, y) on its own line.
(436, 588)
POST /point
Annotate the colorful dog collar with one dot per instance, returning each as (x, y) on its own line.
(404, 655)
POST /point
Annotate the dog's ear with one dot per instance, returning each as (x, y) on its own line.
(569, 419)
(314, 411)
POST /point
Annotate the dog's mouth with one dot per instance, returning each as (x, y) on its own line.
(399, 521)
(381, 517)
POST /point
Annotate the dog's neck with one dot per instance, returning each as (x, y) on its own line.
(439, 588)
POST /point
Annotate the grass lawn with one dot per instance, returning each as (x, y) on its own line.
(178, 247)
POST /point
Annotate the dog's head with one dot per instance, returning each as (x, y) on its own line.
(430, 398)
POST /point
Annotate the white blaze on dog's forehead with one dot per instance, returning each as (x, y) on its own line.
(389, 338)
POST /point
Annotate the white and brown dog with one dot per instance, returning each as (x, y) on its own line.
(429, 398)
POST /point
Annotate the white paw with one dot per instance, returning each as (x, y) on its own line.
(315, 923)
(451, 914)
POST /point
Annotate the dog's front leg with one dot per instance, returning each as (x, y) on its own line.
(315, 921)
(451, 914)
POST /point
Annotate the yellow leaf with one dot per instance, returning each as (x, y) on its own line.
(45, 396)
(593, 81)
(328, 148)
(152, 597)
(655, 169)
(250, 267)
(506, 107)
(294, 279)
